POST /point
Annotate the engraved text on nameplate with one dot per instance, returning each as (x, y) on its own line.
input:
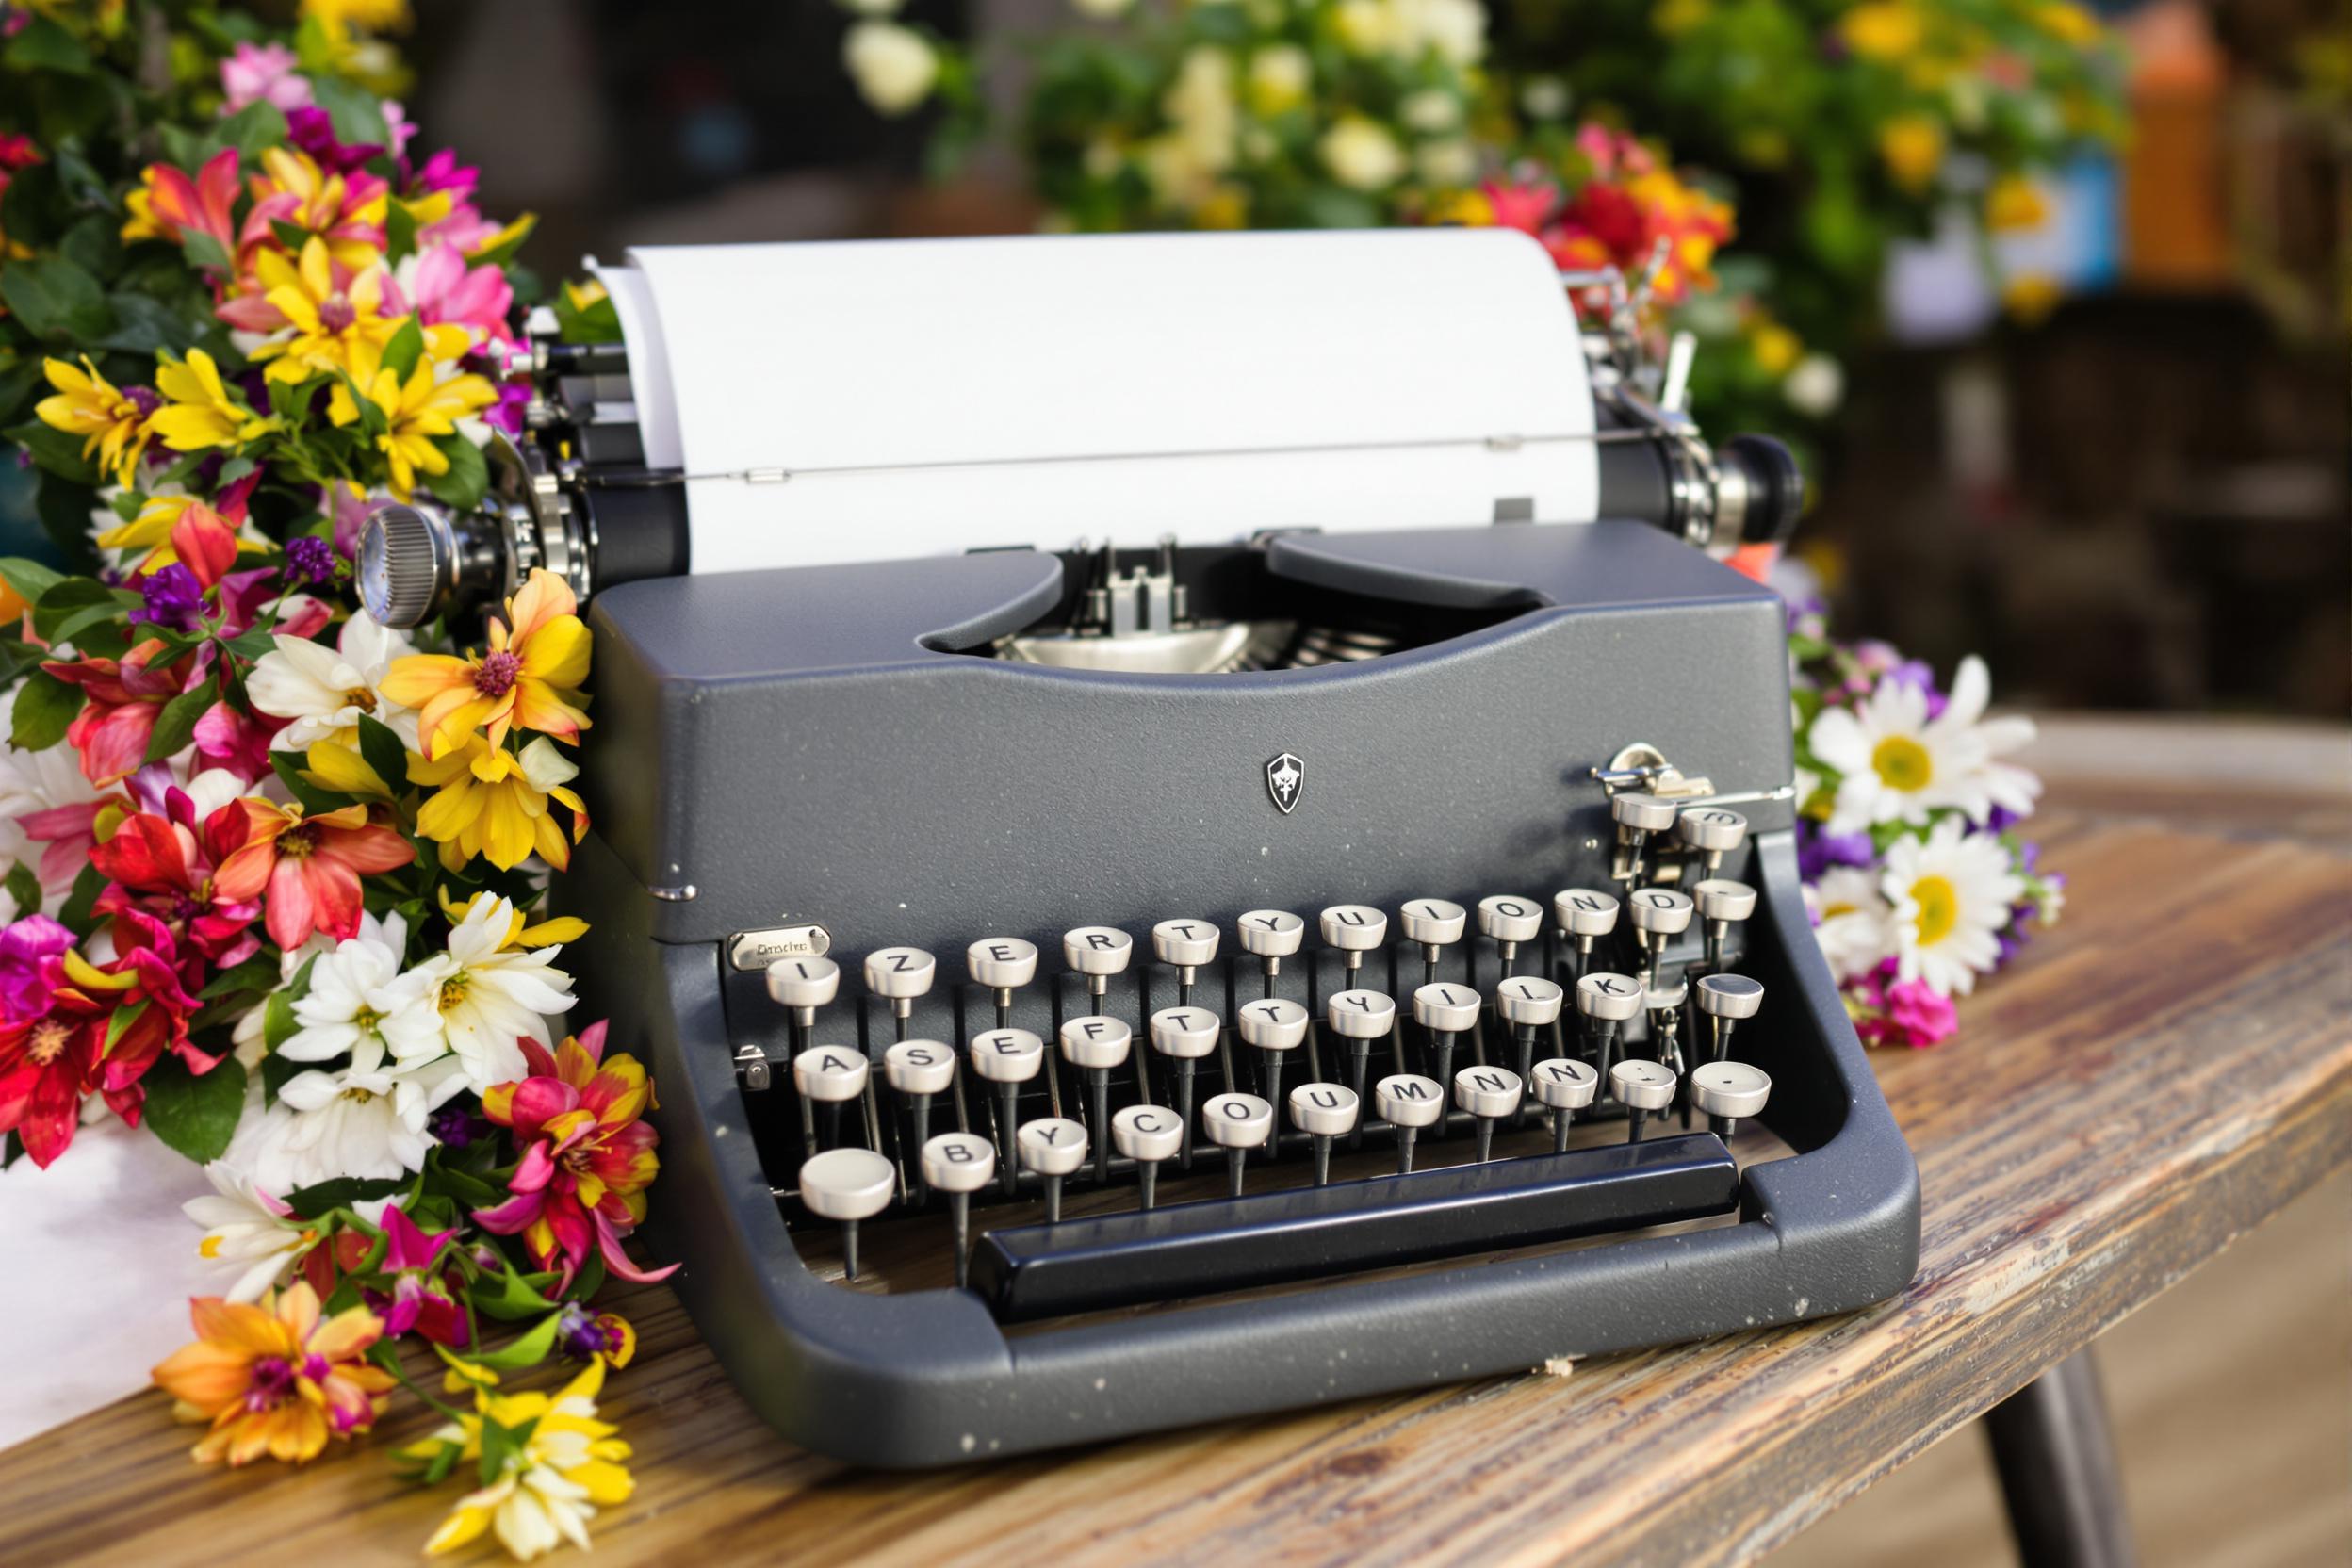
(759, 949)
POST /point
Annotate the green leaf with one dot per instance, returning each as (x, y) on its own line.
(57, 452)
(310, 1203)
(407, 346)
(91, 245)
(44, 706)
(316, 801)
(255, 126)
(45, 46)
(461, 489)
(144, 326)
(279, 1025)
(204, 253)
(510, 1297)
(529, 1351)
(24, 887)
(36, 211)
(292, 236)
(30, 578)
(55, 300)
(383, 751)
(356, 114)
(66, 608)
(175, 727)
(75, 916)
(195, 1114)
(254, 974)
(399, 233)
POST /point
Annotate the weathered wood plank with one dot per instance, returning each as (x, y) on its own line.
(2151, 1080)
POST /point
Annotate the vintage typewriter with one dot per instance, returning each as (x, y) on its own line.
(1196, 898)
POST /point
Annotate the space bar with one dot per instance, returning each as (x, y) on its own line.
(1119, 1260)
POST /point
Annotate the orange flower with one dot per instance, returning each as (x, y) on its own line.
(538, 657)
(273, 1379)
(311, 866)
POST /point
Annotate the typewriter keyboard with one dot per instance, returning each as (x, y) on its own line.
(1208, 1106)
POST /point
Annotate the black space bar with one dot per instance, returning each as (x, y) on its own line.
(1121, 1260)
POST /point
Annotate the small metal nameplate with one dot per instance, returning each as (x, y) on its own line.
(759, 949)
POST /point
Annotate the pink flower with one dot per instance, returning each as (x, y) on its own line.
(264, 74)
(1888, 1011)
(440, 288)
(419, 1298)
(125, 700)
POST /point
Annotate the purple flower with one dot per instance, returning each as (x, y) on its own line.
(507, 412)
(145, 399)
(175, 598)
(442, 171)
(23, 946)
(456, 1126)
(1817, 850)
(310, 560)
(311, 130)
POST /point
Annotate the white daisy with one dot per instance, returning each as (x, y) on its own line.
(324, 691)
(367, 1125)
(1896, 764)
(354, 1008)
(246, 1225)
(1852, 922)
(489, 995)
(1951, 894)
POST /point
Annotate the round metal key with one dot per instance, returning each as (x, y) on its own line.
(1585, 911)
(830, 1073)
(1277, 1023)
(900, 973)
(958, 1162)
(1732, 1090)
(847, 1184)
(1508, 918)
(1662, 911)
(1147, 1134)
(1325, 1110)
(1096, 1043)
(1720, 898)
(1433, 922)
(1527, 1001)
(1641, 1085)
(1002, 963)
(804, 982)
(1271, 933)
(1007, 1055)
(1565, 1083)
(1733, 996)
(1353, 927)
(1640, 812)
(1612, 997)
(1185, 943)
(1185, 1033)
(919, 1066)
(1357, 1015)
(1097, 950)
(1446, 1009)
(1052, 1145)
(1238, 1121)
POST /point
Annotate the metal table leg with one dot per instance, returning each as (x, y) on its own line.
(2057, 1465)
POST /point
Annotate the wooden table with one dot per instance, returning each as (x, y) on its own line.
(2153, 1078)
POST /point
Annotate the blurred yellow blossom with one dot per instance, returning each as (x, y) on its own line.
(2014, 202)
(1883, 29)
(1913, 147)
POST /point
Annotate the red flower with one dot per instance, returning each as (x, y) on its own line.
(587, 1159)
(103, 1028)
(158, 865)
(311, 866)
(126, 697)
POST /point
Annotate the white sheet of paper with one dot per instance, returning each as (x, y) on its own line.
(97, 1264)
(936, 396)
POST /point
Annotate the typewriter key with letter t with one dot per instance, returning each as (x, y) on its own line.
(1275, 1026)
(1567, 1086)
(1323, 1112)
(1007, 1058)
(1725, 999)
(1436, 925)
(1052, 1147)
(1507, 921)
(1360, 1018)
(1273, 934)
(958, 1164)
(1607, 1001)
(1445, 1011)
(1489, 1093)
(1183, 1036)
(1709, 833)
(1639, 817)
(1148, 1134)
(1723, 905)
(1353, 930)
(1237, 1123)
(1409, 1103)
(847, 1185)
(1095, 1045)
(1584, 916)
(1184, 945)
(1641, 1087)
(1728, 1092)
(1659, 915)
(1003, 965)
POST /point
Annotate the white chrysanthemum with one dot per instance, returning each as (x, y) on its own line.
(895, 68)
(1853, 926)
(325, 691)
(1896, 764)
(354, 1007)
(488, 995)
(246, 1225)
(367, 1125)
(1952, 894)
(1815, 386)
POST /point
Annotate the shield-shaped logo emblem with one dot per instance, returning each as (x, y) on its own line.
(1285, 778)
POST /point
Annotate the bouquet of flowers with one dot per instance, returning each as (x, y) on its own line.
(1915, 874)
(272, 876)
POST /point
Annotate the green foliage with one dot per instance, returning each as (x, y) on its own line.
(194, 1113)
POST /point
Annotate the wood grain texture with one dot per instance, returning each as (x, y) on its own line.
(2151, 1080)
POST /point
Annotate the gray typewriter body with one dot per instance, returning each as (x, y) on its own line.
(831, 748)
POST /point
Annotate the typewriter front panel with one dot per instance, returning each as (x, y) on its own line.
(892, 799)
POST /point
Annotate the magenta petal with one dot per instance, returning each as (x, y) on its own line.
(616, 1261)
(510, 1218)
